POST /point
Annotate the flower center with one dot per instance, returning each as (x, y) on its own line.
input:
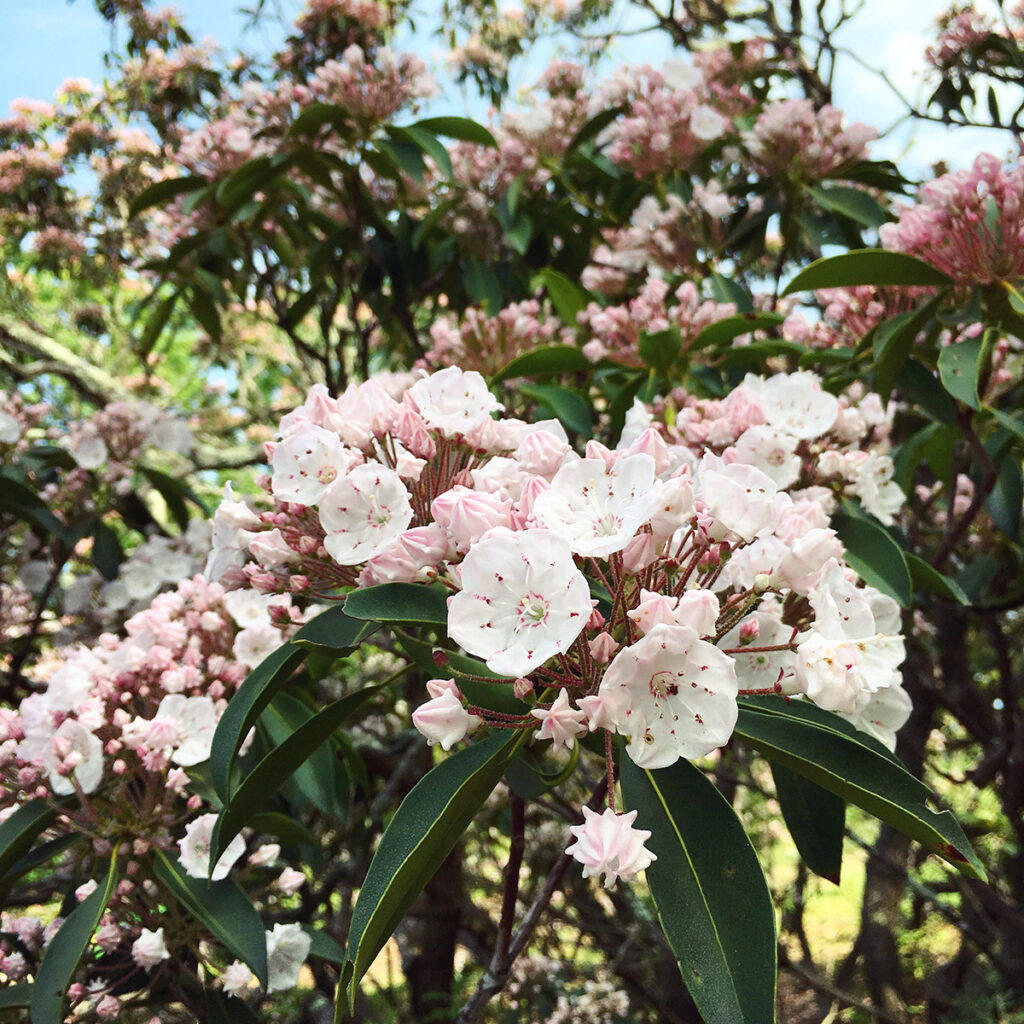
(379, 515)
(327, 474)
(533, 610)
(663, 684)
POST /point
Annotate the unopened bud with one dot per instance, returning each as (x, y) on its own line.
(522, 688)
(603, 648)
(749, 631)
(762, 581)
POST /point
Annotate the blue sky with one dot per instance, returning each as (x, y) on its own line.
(46, 41)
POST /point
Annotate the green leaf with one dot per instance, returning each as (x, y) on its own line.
(865, 266)
(959, 369)
(851, 202)
(573, 410)
(161, 192)
(335, 630)
(16, 997)
(461, 128)
(245, 707)
(280, 764)
(222, 908)
(892, 342)
(483, 285)
(19, 832)
(660, 349)
(874, 555)
(1007, 497)
(175, 493)
(545, 362)
(222, 1008)
(156, 323)
(399, 602)
(712, 899)
(323, 947)
(725, 290)
(418, 838)
(924, 577)
(283, 827)
(919, 385)
(831, 752)
(733, 327)
(592, 128)
(68, 946)
(1011, 423)
(816, 820)
(106, 550)
(568, 298)
(19, 501)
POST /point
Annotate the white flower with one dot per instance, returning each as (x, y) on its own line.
(194, 849)
(89, 449)
(236, 978)
(758, 670)
(680, 696)
(362, 512)
(707, 124)
(254, 643)
(10, 429)
(249, 607)
(149, 948)
(265, 856)
(772, 452)
(561, 723)
(794, 403)
(196, 718)
(741, 498)
(306, 463)
(287, 949)
(599, 510)
(75, 745)
(885, 713)
(290, 881)
(453, 401)
(680, 74)
(522, 600)
(608, 844)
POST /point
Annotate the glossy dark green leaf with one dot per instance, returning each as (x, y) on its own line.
(1012, 424)
(422, 833)
(893, 339)
(222, 908)
(875, 556)
(592, 128)
(660, 349)
(461, 128)
(732, 327)
(245, 707)
(725, 289)
(19, 831)
(21, 502)
(1005, 501)
(816, 820)
(568, 297)
(854, 203)
(283, 827)
(545, 362)
(483, 285)
(156, 323)
(323, 947)
(222, 1008)
(918, 385)
(399, 602)
(68, 946)
(16, 997)
(335, 630)
(829, 751)
(176, 493)
(279, 765)
(572, 410)
(960, 368)
(866, 266)
(162, 192)
(712, 898)
(924, 577)
(106, 550)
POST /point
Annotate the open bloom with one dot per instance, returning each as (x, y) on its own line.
(194, 849)
(149, 948)
(560, 723)
(443, 719)
(522, 600)
(672, 694)
(287, 949)
(363, 511)
(607, 844)
(598, 510)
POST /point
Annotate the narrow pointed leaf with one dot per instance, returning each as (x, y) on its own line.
(712, 898)
(816, 820)
(866, 266)
(927, 578)
(324, 947)
(876, 557)
(335, 630)
(733, 327)
(245, 707)
(270, 774)
(222, 908)
(399, 602)
(461, 128)
(546, 361)
(68, 946)
(418, 838)
(856, 768)
(572, 410)
(568, 297)
(227, 1009)
(16, 997)
(19, 832)
(851, 202)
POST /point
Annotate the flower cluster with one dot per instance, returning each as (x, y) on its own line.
(638, 591)
(969, 224)
(120, 726)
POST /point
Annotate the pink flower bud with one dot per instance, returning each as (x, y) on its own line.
(522, 688)
(749, 631)
(603, 648)
(638, 553)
